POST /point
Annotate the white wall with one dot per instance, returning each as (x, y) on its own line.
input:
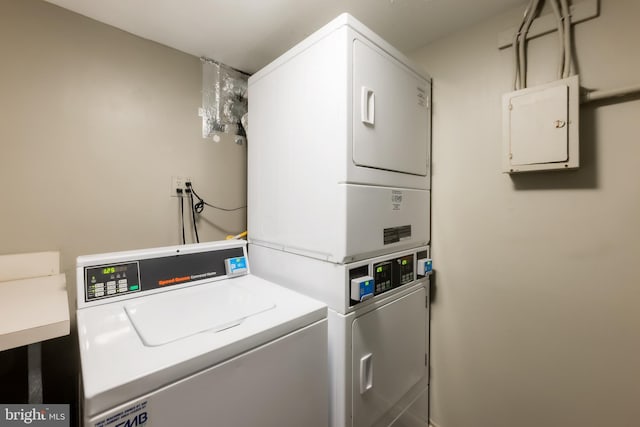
(536, 318)
(93, 124)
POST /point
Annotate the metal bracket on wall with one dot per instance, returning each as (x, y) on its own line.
(581, 11)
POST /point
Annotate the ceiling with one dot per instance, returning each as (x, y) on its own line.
(248, 34)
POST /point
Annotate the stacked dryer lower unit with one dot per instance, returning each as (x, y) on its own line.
(339, 205)
(378, 349)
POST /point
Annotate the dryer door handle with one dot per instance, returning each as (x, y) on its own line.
(367, 106)
(366, 373)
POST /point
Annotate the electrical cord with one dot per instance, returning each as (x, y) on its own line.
(180, 196)
(193, 214)
(184, 240)
(199, 206)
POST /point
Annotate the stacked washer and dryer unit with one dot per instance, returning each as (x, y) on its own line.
(339, 209)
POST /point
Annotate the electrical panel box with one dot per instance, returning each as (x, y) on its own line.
(540, 127)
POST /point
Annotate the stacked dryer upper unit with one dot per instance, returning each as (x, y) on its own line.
(339, 151)
(339, 208)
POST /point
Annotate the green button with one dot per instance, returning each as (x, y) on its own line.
(134, 287)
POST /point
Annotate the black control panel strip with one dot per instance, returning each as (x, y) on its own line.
(388, 273)
(111, 280)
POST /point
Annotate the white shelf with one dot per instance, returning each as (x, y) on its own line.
(33, 310)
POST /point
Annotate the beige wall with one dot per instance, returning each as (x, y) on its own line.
(93, 124)
(536, 317)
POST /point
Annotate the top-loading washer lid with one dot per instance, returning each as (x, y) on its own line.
(169, 316)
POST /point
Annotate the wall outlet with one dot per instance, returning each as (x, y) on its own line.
(178, 183)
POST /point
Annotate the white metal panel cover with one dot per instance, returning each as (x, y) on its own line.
(390, 113)
(389, 348)
(539, 126)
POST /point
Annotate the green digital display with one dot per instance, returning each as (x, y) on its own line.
(112, 269)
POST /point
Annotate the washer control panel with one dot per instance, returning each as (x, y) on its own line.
(112, 279)
(137, 271)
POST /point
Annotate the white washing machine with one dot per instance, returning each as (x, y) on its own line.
(186, 336)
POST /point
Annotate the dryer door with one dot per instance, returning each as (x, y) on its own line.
(390, 112)
(389, 353)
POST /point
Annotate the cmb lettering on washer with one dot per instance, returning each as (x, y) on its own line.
(136, 421)
(134, 416)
